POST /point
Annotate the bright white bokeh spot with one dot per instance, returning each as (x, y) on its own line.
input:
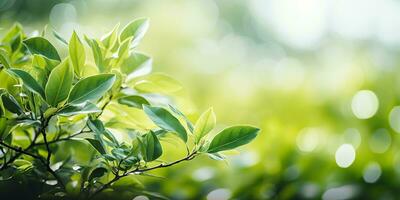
(246, 159)
(219, 194)
(352, 136)
(389, 23)
(354, 26)
(308, 139)
(394, 119)
(203, 174)
(141, 197)
(345, 155)
(343, 192)
(301, 24)
(380, 141)
(372, 172)
(62, 13)
(364, 104)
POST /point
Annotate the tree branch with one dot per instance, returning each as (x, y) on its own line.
(137, 170)
(19, 150)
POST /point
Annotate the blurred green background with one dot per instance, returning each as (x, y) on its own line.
(320, 77)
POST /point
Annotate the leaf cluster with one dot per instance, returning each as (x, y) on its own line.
(85, 122)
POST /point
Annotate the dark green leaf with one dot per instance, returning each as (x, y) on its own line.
(39, 45)
(97, 145)
(152, 146)
(165, 120)
(91, 88)
(232, 137)
(11, 104)
(98, 172)
(29, 82)
(133, 101)
(16, 43)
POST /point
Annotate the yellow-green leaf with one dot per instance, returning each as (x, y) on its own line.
(136, 29)
(77, 54)
(204, 124)
(59, 83)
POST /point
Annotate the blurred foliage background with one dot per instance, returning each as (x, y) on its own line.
(320, 77)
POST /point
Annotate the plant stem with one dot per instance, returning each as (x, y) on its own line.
(137, 170)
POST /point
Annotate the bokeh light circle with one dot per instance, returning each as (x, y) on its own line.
(364, 104)
(345, 155)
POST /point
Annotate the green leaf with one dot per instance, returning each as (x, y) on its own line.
(91, 88)
(39, 45)
(11, 104)
(77, 54)
(165, 120)
(138, 148)
(157, 83)
(232, 137)
(29, 81)
(178, 112)
(136, 29)
(4, 59)
(3, 127)
(135, 101)
(13, 32)
(42, 62)
(97, 145)
(97, 127)
(59, 37)
(136, 64)
(59, 83)
(153, 147)
(16, 43)
(22, 164)
(85, 108)
(123, 51)
(98, 56)
(204, 124)
(98, 172)
(110, 38)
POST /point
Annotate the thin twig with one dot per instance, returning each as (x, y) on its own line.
(19, 150)
(137, 170)
(65, 138)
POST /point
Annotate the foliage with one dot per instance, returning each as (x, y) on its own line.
(82, 126)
